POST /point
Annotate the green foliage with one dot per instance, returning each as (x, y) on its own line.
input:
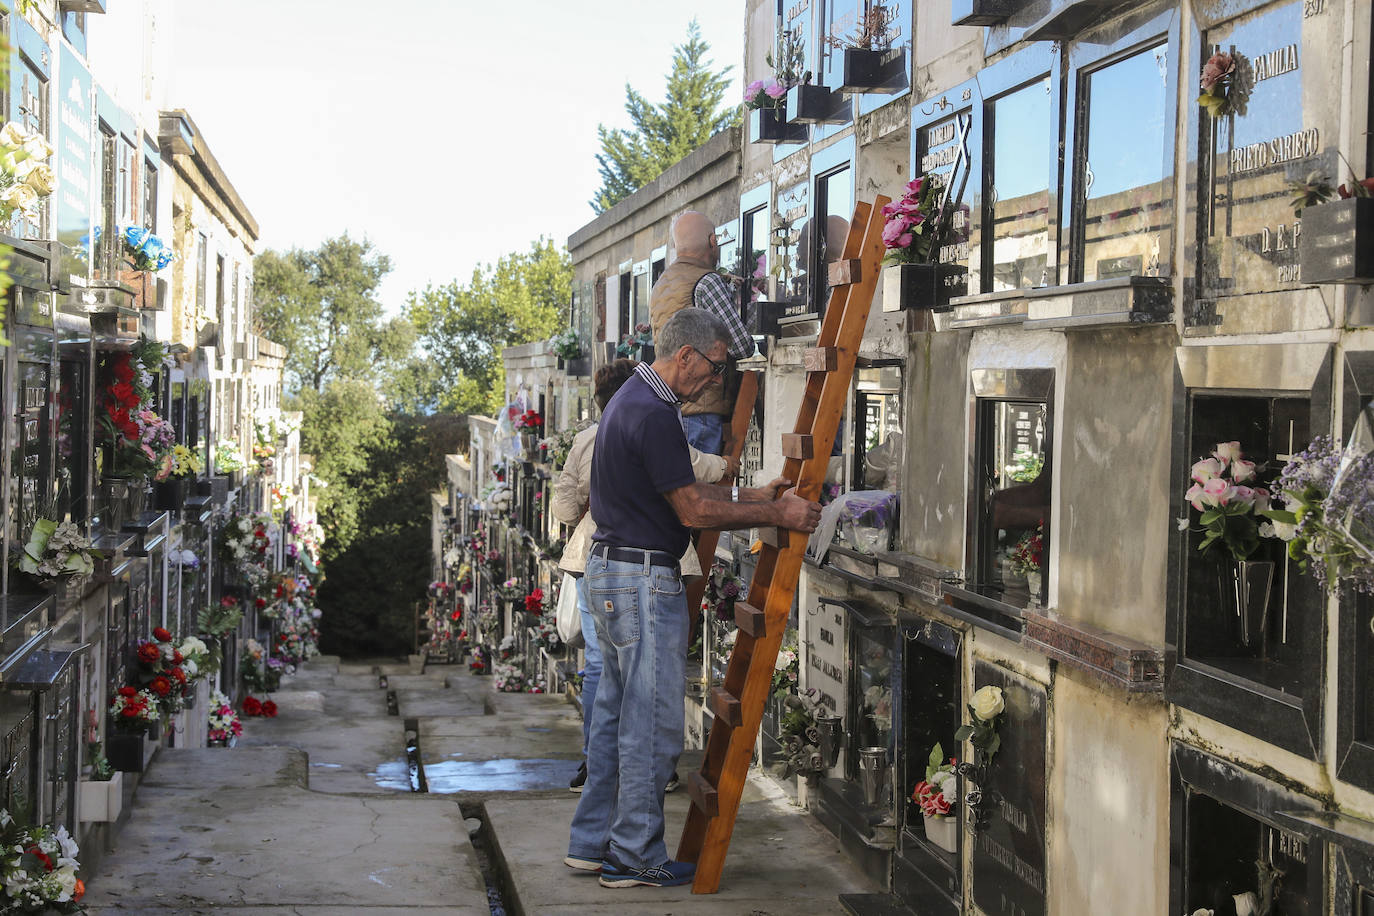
(378, 576)
(662, 134)
(344, 427)
(464, 328)
(321, 306)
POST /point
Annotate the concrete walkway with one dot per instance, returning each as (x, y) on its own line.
(313, 814)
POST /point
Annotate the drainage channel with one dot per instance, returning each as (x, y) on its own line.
(489, 861)
(474, 817)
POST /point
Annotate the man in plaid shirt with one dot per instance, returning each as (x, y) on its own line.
(691, 280)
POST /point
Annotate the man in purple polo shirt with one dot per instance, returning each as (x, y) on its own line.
(644, 498)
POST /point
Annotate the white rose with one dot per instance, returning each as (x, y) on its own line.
(987, 702)
(37, 147)
(20, 196)
(12, 135)
(66, 880)
(42, 179)
(189, 666)
(1247, 904)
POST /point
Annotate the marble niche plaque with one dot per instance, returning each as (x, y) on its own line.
(1009, 854)
(1284, 126)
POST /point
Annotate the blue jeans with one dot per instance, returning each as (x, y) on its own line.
(591, 662)
(640, 612)
(705, 432)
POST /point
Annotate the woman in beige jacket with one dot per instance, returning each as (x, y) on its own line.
(570, 503)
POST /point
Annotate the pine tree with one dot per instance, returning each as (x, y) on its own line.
(663, 134)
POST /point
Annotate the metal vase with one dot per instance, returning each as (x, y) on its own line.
(873, 770)
(1245, 587)
(832, 738)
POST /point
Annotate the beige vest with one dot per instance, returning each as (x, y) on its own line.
(672, 293)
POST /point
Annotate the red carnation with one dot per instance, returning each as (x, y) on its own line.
(177, 657)
(260, 603)
(130, 711)
(128, 692)
(161, 634)
(160, 686)
(178, 675)
(269, 709)
(121, 392)
(149, 653)
(122, 368)
(252, 706)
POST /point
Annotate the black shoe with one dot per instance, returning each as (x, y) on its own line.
(672, 785)
(580, 779)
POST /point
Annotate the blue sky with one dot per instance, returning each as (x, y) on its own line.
(446, 131)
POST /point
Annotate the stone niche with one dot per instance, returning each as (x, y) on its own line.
(1234, 832)
(1009, 854)
(1249, 657)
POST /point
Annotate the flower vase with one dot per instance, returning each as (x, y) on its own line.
(1245, 586)
(124, 750)
(943, 832)
(1033, 583)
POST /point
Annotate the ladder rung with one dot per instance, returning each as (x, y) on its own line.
(726, 707)
(796, 445)
(750, 619)
(774, 537)
(845, 272)
(820, 359)
(703, 794)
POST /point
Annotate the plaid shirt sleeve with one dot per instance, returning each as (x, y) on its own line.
(714, 294)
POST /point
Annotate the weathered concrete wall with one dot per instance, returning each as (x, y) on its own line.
(934, 493)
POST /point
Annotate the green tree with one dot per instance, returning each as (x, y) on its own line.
(344, 427)
(464, 328)
(377, 578)
(662, 134)
(321, 306)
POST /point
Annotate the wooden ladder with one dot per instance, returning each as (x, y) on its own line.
(737, 705)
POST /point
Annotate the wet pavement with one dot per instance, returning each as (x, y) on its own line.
(314, 813)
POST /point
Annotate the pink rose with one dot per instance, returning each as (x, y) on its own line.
(1242, 470)
(1216, 492)
(894, 230)
(1194, 496)
(1227, 452)
(1206, 469)
(1217, 66)
(775, 90)
(1243, 495)
(753, 89)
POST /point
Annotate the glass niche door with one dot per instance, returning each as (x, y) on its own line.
(1013, 437)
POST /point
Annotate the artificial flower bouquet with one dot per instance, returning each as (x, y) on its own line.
(785, 669)
(185, 462)
(800, 737)
(1325, 509)
(510, 676)
(57, 550)
(911, 221)
(26, 178)
(163, 670)
(633, 344)
(938, 793)
(224, 725)
(228, 457)
(134, 711)
(144, 250)
(1225, 84)
(40, 868)
(566, 345)
(770, 93)
(1225, 491)
(723, 589)
(1029, 552)
(534, 602)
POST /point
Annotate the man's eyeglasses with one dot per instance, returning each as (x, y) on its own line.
(716, 368)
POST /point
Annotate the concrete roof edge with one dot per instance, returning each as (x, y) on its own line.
(210, 166)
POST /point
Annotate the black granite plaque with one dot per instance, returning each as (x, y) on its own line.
(1009, 854)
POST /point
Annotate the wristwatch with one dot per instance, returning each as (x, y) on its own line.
(734, 494)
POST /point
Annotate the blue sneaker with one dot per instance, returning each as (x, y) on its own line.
(582, 863)
(669, 874)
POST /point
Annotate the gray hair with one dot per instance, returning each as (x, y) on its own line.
(690, 327)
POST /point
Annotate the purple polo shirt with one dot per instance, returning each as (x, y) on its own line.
(640, 454)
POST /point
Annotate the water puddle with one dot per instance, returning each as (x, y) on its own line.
(506, 775)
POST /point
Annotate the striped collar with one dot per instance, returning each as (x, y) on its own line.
(654, 381)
